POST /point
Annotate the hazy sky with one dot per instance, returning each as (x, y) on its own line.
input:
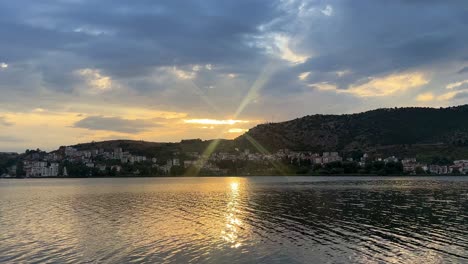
(79, 70)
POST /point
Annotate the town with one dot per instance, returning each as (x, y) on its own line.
(71, 162)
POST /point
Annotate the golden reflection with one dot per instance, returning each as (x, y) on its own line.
(230, 233)
(234, 186)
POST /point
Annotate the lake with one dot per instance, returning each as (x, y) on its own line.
(235, 220)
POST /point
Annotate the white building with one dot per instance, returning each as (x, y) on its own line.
(41, 169)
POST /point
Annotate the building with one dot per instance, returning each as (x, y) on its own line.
(70, 151)
(118, 153)
(436, 169)
(41, 169)
(329, 157)
(409, 165)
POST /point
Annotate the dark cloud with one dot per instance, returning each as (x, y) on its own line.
(372, 38)
(461, 95)
(45, 42)
(115, 124)
(129, 38)
(464, 70)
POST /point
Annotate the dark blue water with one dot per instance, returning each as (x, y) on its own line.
(235, 220)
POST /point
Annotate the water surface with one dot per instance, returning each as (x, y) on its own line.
(243, 220)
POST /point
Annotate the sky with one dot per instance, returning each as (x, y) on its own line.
(74, 71)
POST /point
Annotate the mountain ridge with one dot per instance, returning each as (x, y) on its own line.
(370, 129)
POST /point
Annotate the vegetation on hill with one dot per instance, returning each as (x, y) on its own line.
(409, 129)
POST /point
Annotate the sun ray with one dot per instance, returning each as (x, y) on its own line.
(256, 87)
(249, 97)
(195, 170)
(205, 99)
(278, 166)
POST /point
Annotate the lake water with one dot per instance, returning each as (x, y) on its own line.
(235, 220)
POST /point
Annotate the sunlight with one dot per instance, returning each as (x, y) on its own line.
(237, 130)
(234, 186)
(214, 121)
(250, 96)
(230, 234)
(193, 171)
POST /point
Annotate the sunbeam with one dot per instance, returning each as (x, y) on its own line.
(278, 166)
(262, 79)
(249, 97)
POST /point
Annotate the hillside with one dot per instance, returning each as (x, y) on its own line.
(154, 149)
(440, 128)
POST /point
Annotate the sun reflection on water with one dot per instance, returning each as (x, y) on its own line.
(230, 233)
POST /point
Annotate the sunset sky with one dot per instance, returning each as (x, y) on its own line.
(79, 70)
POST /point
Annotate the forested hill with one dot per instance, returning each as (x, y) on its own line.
(363, 131)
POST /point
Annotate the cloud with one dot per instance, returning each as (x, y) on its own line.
(324, 86)
(282, 46)
(399, 39)
(95, 79)
(447, 96)
(379, 86)
(328, 10)
(425, 97)
(457, 94)
(279, 45)
(3, 66)
(116, 124)
(461, 95)
(456, 84)
(389, 85)
(464, 70)
(4, 122)
(185, 75)
(303, 76)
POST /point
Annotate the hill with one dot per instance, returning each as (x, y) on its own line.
(155, 149)
(412, 128)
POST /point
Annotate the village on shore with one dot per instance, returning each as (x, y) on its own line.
(71, 162)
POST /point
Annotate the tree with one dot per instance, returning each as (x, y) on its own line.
(420, 171)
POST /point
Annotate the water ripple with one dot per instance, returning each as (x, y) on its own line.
(242, 220)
